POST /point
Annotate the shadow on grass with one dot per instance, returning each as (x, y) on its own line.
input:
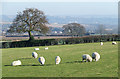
(34, 65)
(39, 65)
(78, 62)
(7, 65)
(24, 58)
(75, 62)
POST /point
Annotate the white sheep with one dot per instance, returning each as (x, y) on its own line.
(101, 43)
(86, 57)
(41, 60)
(46, 48)
(36, 49)
(34, 54)
(57, 59)
(16, 63)
(96, 56)
(114, 43)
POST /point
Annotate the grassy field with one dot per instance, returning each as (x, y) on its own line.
(70, 66)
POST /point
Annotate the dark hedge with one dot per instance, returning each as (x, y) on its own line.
(61, 41)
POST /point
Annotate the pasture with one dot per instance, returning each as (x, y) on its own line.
(70, 65)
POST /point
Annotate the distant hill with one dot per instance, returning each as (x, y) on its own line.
(7, 18)
(88, 19)
(90, 22)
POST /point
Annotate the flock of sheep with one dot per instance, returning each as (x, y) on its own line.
(113, 43)
(88, 58)
(40, 59)
(85, 57)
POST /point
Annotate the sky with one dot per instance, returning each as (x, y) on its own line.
(59, 0)
(92, 7)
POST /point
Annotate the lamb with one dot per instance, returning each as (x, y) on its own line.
(114, 43)
(16, 63)
(86, 57)
(57, 59)
(36, 49)
(34, 54)
(101, 43)
(96, 56)
(46, 48)
(41, 60)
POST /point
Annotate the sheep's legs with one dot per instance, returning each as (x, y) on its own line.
(86, 60)
(82, 60)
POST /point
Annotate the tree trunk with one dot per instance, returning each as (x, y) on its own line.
(30, 36)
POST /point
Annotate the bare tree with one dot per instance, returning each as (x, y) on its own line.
(29, 20)
(74, 29)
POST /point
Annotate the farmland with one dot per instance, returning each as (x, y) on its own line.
(70, 65)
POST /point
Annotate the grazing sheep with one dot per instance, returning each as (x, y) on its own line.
(87, 58)
(101, 43)
(34, 54)
(114, 43)
(57, 59)
(41, 60)
(96, 56)
(46, 48)
(36, 49)
(16, 63)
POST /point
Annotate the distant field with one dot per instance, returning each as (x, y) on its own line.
(70, 66)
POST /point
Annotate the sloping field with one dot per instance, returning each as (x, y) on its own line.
(70, 66)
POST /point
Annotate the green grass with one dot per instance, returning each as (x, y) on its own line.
(70, 66)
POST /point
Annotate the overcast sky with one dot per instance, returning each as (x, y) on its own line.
(95, 7)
